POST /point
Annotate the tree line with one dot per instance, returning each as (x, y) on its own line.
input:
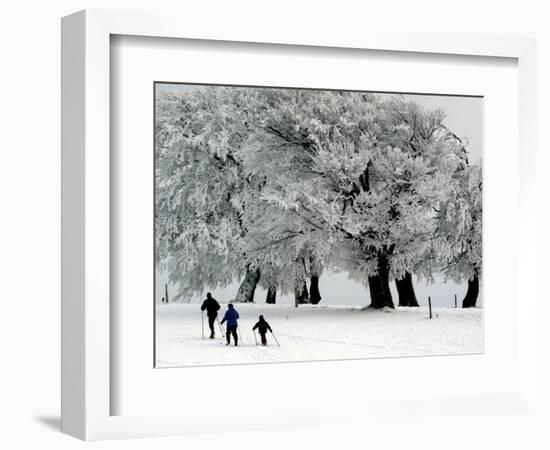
(275, 186)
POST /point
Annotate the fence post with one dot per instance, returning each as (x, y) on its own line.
(455, 301)
(430, 306)
(166, 292)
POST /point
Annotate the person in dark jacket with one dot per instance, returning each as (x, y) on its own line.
(212, 307)
(231, 316)
(262, 326)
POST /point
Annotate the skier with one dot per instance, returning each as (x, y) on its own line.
(231, 316)
(262, 327)
(212, 307)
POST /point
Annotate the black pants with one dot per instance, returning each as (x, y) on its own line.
(262, 337)
(211, 323)
(231, 331)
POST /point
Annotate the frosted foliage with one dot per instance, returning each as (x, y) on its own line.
(460, 226)
(199, 186)
(276, 179)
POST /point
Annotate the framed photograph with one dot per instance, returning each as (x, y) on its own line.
(292, 213)
(292, 204)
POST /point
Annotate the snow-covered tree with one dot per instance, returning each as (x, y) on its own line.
(204, 197)
(358, 172)
(272, 186)
(424, 137)
(282, 239)
(459, 231)
(200, 189)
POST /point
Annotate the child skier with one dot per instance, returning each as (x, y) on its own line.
(262, 327)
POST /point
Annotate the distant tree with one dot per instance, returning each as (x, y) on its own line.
(460, 231)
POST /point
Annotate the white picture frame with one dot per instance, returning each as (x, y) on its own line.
(86, 176)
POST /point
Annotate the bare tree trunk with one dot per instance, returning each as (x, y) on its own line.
(472, 293)
(247, 288)
(271, 295)
(301, 294)
(315, 270)
(314, 293)
(379, 285)
(405, 289)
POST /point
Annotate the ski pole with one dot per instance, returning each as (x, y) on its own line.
(202, 323)
(255, 339)
(239, 331)
(220, 325)
(273, 334)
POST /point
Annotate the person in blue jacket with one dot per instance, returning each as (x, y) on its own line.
(231, 316)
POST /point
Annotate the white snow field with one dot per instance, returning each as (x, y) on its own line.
(313, 333)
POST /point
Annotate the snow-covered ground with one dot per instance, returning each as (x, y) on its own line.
(311, 333)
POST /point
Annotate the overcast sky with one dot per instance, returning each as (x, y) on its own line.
(464, 117)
